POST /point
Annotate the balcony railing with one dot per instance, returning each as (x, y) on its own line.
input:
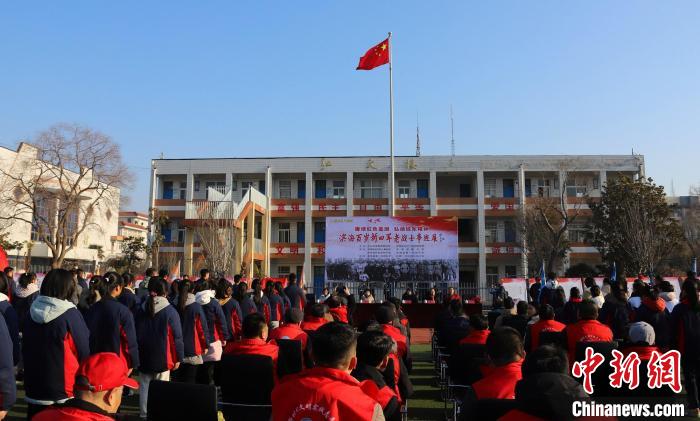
(223, 209)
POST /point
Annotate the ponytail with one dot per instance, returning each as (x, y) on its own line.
(26, 278)
(156, 288)
(183, 287)
(98, 290)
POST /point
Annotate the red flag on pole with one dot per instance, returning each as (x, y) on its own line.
(375, 56)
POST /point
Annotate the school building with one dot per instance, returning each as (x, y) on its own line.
(278, 205)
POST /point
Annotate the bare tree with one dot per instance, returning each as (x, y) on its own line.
(74, 174)
(690, 223)
(217, 237)
(547, 218)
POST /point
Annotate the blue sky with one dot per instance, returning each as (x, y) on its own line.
(262, 78)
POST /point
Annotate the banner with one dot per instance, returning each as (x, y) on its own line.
(516, 288)
(392, 249)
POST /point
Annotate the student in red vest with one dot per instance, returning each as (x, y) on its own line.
(546, 389)
(291, 328)
(327, 391)
(316, 317)
(337, 309)
(8, 386)
(685, 328)
(231, 308)
(373, 350)
(111, 324)
(504, 348)
(54, 342)
(195, 333)
(386, 317)
(98, 391)
(546, 323)
(587, 329)
(479, 332)
(254, 341)
(159, 334)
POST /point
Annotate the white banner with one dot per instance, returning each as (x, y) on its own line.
(399, 249)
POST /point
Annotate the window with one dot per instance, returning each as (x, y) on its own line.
(422, 189)
(338, 189)
(285, 189)
(544, 188)
(371, 189)
(283, 232)
(491, 232)
(404, 189)
(491, 274)
(576, 187)
(245, 185)
(490, 187)
(319, 232)
(578, 233)
(509, 231)
(180, 235)
(183, 190)
(40, 226)
(511, 271)
(282, 271)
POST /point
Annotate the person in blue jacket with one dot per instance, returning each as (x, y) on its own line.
(231, 307)
(23, 296)
(195, 333)
(240, 293)
(54, 343)
(218, 330)
(111, 324)
(8, 387)
(10, 315)
(159, 335)
(128, 294)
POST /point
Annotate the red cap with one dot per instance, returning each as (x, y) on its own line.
(104, 371)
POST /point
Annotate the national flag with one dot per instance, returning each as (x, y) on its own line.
(694, 265)
(375, 56)
(613, 273)
(543, 280)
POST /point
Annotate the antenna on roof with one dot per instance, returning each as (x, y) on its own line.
(162, 155)
(452, 128)
(673, 189)
(417, 136)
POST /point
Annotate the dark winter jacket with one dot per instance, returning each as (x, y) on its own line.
(159, 337)
(112, 329)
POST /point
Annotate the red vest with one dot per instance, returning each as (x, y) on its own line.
(321, 394)
(518, 415)
(340, 314)
(69, 414)
(586, 331)
(253, 347)
(499, 382)
(476, 337)
(644, 352)
(313, 323)
(398, 337)
(290, 331)
(543, 326)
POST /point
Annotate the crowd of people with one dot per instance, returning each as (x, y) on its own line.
(647, 318)
(75, 343)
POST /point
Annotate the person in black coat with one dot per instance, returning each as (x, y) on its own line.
(24, 296)
(10, 315)
(615, 311)
(685, 328)
(128, 294)
(295, 293)
(8, 387)
(373, 349)
(569, 314)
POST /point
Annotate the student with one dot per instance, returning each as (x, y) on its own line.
(479, 330)
(597, 296)
(569, 314)
(505, 351)
(519, 320)
(325, 294)
(373, 350)
(276, 304)
(546, 389)
(508, 310)
(98, 391)
(128, 294)
(291, 329)
(454, 326)
(54, 342)
(327, 388)
(204, 276)
(111, 324)
(142, 291)
(262, 304)
(545, 324)
(8, 387)
(668, 294)
(11, 319)
(367, 297)
(240, 293)
(652, 310)
(337, 309)
(280, 291)
(159, 335)
(615, 312)
(386, 317)
(642, 340)
(315, 317)
(10, 274)
(402, 319)
(294, 292)
(218, 331)
(229, 305)
(685, 328)
(587, 329)
(23, 297)
(635, 299)
(254, 341)
(195, 333)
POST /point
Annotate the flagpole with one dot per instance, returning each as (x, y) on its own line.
(391, 133)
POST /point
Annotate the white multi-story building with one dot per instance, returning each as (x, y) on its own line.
(131, 224)
(286, 201)
(92, 245)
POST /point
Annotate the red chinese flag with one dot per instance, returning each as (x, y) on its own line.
(375, 56)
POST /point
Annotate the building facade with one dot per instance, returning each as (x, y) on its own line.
(92, 245)
(130, 224)
(286, 201)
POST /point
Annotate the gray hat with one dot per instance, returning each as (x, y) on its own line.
(642, 332)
